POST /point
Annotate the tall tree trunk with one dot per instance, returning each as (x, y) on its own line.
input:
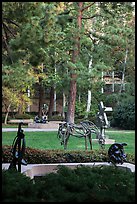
(89, 92)
(7, 113)
(41, 94)
(51, 104)
(72, 99)
(73, 75)
(55, 95)
(55, 100)
(88, 103)
(122, 87)
(64, 106)
(28, 107)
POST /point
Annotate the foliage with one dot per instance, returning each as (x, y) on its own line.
(80, 110)
(82, 184)
(39, 38)
(29, 46)
(111, 100)
(35, 156)
(116, 98)
(22, 116)
(85, 184)
(124, 115)
(16, 81)
(56, 118)
(16, 187)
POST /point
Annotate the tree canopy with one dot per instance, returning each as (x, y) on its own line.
(52, 43)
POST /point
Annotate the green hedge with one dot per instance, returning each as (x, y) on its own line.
(23, 116)
(34, 156)
(124, 115)
(17, 187)
(83, 184)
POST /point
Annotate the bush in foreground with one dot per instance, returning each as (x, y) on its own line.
(83, 184)
(17, 187)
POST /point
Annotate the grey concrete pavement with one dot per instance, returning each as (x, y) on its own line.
(32, 170)
(29, 129)
(49, 129)
(36, 127)
(49, 126)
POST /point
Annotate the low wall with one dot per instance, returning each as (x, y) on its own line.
(32, 170)
(26, 121)
(48, 125)
(41, 170)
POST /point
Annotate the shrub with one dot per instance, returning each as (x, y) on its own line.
(124, 115)
(56, 118)
(16, 187)
(85, 184)
(81, 114)
(80, 110)
(23, 116)
(82, 184)
(34, 156)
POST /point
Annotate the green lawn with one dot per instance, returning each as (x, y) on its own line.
(49, 140)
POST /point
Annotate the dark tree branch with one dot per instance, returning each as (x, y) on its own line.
(87, 6)
(4, 25)
(10, 21)
(91, 16)
(93, 40)
(6, 44)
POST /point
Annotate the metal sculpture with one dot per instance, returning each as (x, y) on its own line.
(116, 153)
(86, 128)
(83, 130)
(103, 122)
(18, 150)
(42, 119)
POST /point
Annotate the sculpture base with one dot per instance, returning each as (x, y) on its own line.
(107, 141)
(37, 125)
(47, 125)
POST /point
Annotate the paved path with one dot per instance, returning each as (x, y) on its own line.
(50, 126)
(28, 129)
(52, 129)
(32, 170)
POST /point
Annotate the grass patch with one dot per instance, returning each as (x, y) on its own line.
(49, 140)
(124, 136)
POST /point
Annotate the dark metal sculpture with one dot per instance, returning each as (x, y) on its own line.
(116, 153)
(83, 130)
(42, 119)
(86, 128)
(103, 122)
(18, 150)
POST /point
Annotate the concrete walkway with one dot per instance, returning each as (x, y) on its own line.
(32, 170)
(52, 127)
(29, 129)
(38, 127)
